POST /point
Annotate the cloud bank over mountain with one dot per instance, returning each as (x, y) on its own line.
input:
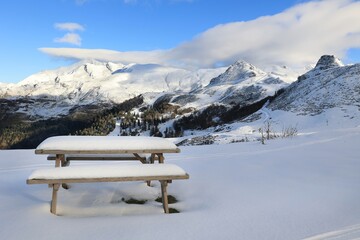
(294, 37)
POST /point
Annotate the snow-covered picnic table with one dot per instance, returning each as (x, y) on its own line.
(106, 148)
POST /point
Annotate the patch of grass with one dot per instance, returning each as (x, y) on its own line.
(173, 210)
(133, 201)
(171, 199)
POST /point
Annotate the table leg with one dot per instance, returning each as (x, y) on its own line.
(60, 158)
(164, 196)
(60, 161)
(54, 198)
(161, 157)
(152, 158)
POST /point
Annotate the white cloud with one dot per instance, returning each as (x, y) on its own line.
(105, 55)
(295, 37)
(69, 26)
(71, 38)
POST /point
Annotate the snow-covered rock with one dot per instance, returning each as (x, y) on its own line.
(328, 61)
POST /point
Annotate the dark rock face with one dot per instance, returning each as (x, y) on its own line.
(328, 61)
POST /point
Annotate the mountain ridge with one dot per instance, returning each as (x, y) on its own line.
(175, 102)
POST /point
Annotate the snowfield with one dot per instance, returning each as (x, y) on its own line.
(305, 187)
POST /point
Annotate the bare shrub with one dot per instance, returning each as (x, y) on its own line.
(289, 131)
(267, 132)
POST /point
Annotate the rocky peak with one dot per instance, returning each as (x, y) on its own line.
(237, 72)
(240, 65)
(328, 61)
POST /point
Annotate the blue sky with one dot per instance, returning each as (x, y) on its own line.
(39, 35)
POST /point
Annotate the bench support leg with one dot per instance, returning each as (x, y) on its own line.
(161, 157)
(164, 196)
(54, 198)
(61, 161)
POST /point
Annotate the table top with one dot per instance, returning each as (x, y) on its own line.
(105, 145)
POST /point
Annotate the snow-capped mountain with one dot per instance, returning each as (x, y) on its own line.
(55, 92)
(242, 83)
(330, 84)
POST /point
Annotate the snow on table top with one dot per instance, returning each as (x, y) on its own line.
(108, 171)
(110, 144)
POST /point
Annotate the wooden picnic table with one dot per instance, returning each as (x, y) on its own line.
(105, 147)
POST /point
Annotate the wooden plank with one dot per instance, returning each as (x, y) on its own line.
(64, 151)
(106, 179)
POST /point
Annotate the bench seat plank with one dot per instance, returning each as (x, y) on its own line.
(112, 179)
(107, 173)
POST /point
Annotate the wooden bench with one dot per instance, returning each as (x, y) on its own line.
(164, 173)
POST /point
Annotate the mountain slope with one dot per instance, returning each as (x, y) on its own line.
(241, 84)
(328, 85)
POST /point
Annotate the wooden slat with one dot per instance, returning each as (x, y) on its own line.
(64, 151)
(107, 179)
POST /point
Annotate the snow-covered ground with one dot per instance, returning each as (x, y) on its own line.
(305, 187)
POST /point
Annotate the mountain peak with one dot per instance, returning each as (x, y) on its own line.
(328, 61)
(237, 72)
(242, 66)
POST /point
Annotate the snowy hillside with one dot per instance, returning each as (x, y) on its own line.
(328, 85)
(330, 90)
(305, 187)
